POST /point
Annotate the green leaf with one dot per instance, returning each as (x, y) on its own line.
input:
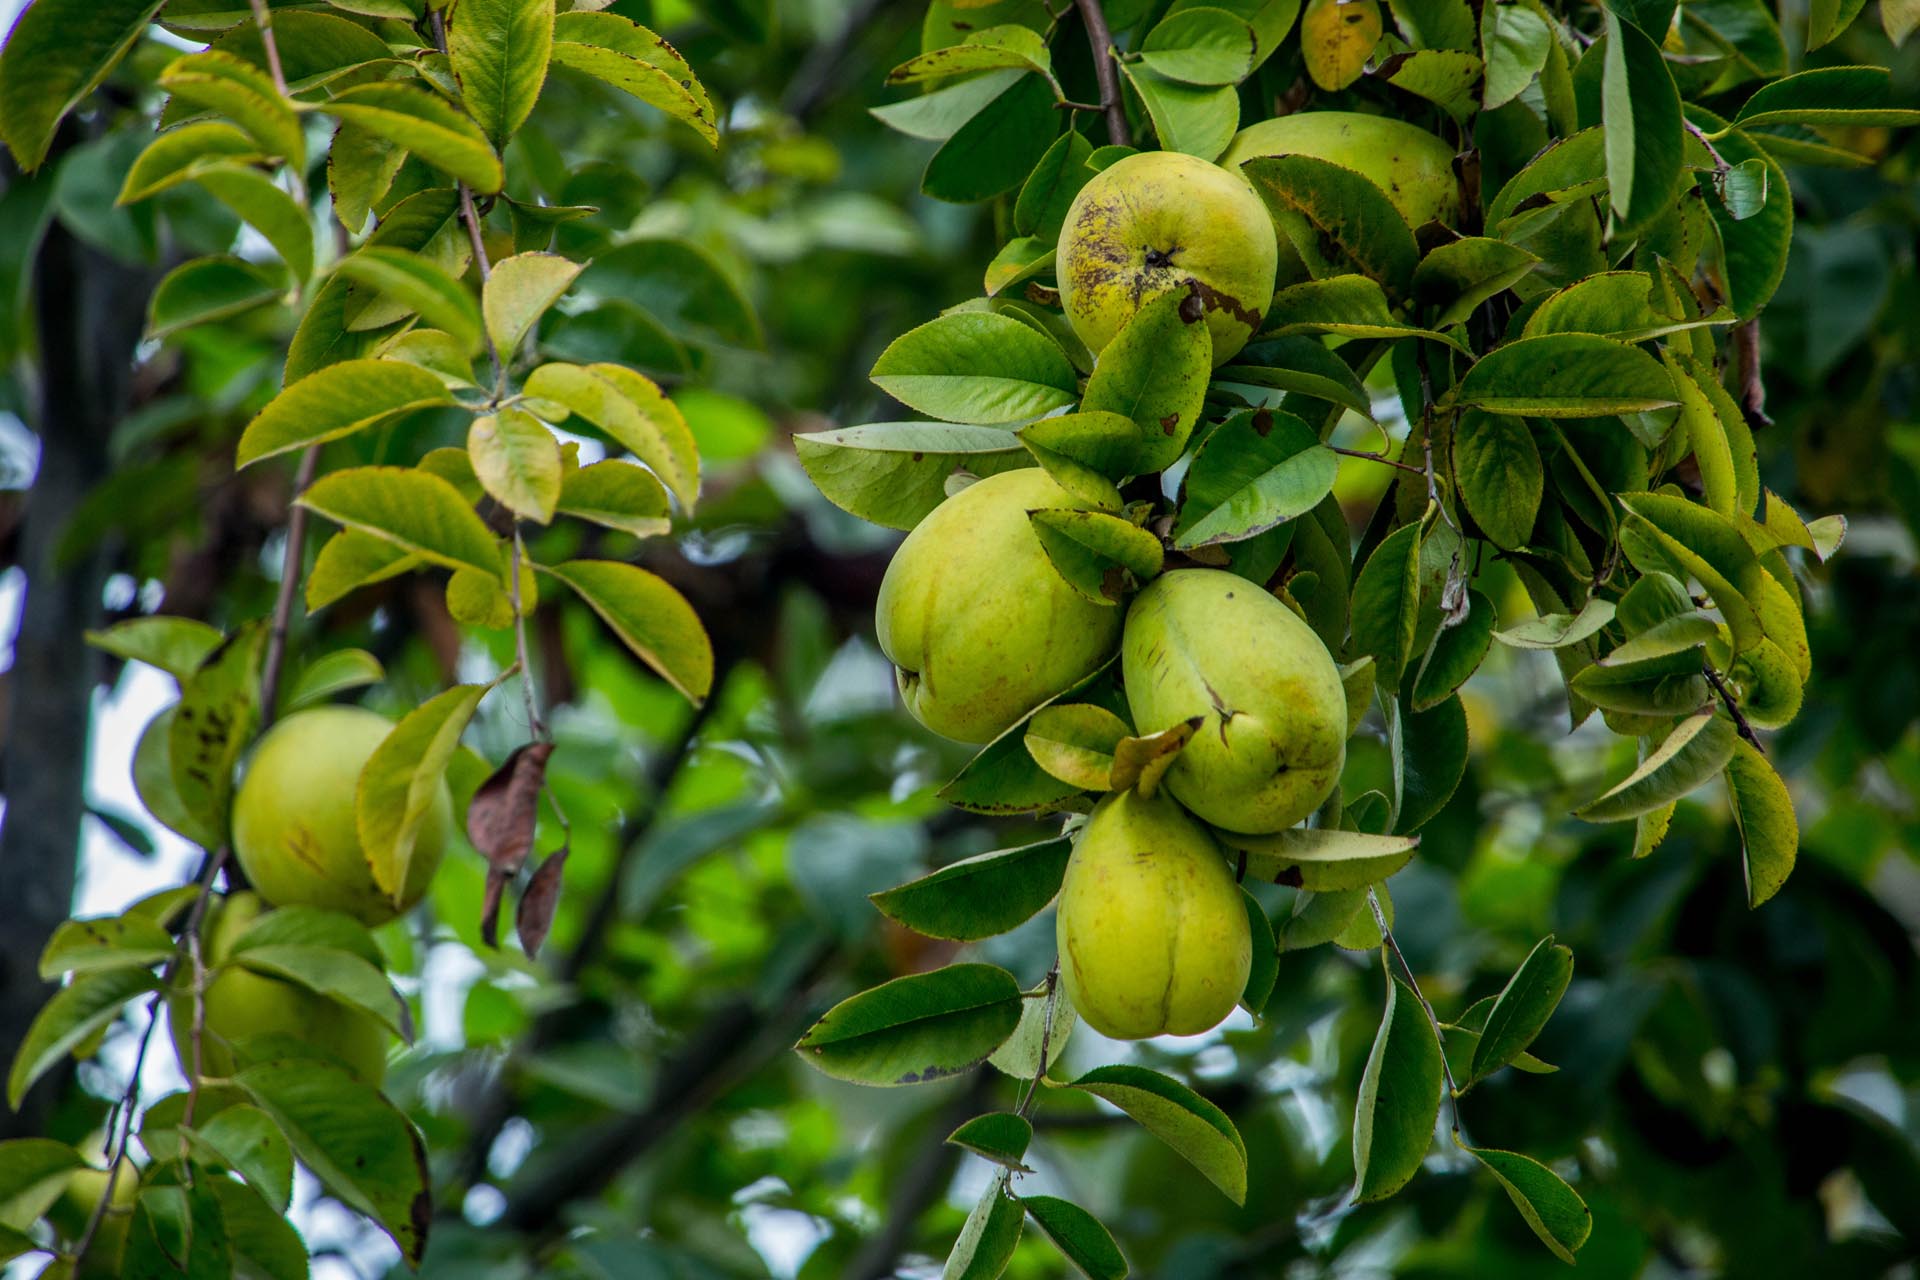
(364, 1151)
(175, 645)
(1706, 546)
(1302, 365)
(1763, 814)
(1357, 681)
(178, 155)
(1154, 372)
(1558, 1216)
(619, 495)
(1699, 747)
(1441, 76)
(977, 367)
(1430, 759)
(1140, 763)
(351, 559)
(1102, 557)
(1199, 120)
(1264, 971)
(153, 782)
(993, 49)
(420, 285)
(108, 942)
(1566, 375)
(1559, 630)
(995, 150)
(589, 43)
(417, 512)
(402, 779)
(1075, 742)
(1523, 1007)
(204, 290)
(58, 52)
(1640, 109)
(499, 51)
(337, 401)
(424, 124)
(937, 116)
(246, 1140)
(76, 1013)
(1199, 1131)
(1514, 41)
(981, 896)
(988, 1238)
(915, 1029)
(1348, 306)
(632, 410)
(300, 926)
(1456, 653)
(679, 283)
(1754, 249)
(1665, 686)
(1497, 466)
(33, 1173)
(517, 461)
(1338, 220)
(894, 473)
(1321, 860)
(1085, 453)
(649, 616)
(1258, 469)
(1399, 1098)
(277, 216)
(1386, 604)
(518, 293)
(1049, 190)
(1003, 778)
(1200, 46)
(1078, 1235)
(337, 975)
(1826, 19)
(1845, 96)
(332, 673)
(1456, 278)
(1669, 636)
(999, 1136)
(244, 93)
(212, 724)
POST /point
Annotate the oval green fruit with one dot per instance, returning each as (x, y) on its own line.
(293, 819)
(1412, 166)
(241, 1003)
(1273, 737)
(1152, 933)
(979, 625)
(1159, 222)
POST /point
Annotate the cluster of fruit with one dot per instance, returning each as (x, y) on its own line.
(295, 835)
(1153, 936)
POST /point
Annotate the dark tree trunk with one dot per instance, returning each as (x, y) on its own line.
(89, 312)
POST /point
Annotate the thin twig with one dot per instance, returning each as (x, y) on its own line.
(291, 561)
(1101, 39)
(1753, 389)
(471, 217)
(1733, 707)
(1046, 1039)
(263, 19)
(1413, 984)
(1720, 166)
(1380, 458)
(535, 725)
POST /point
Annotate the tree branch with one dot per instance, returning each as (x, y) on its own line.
(291, 563)
(1413, 984)
(920, 1185)
(1733, 707)
(1104, 72)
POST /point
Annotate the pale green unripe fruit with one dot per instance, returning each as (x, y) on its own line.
(1152, 932)
(1162, 222)
(241, 1003)
(1412, 166)
(293, 823)
(1273, 733)
(979, 624)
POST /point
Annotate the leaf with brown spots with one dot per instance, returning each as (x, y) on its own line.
(534, 917)
(212, 724)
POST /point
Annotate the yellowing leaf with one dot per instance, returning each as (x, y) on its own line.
(1337, 37)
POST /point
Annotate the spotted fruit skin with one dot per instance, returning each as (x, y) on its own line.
(241, 1003)
(978, 624)
(293, 817)
(1412, 166)
(1273, 732)
(1159, 222)
(1152, 932)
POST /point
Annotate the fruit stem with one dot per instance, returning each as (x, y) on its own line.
(1381, 458)
(1733, 707)
(290, 562)
(1046, 1039)
(1413, 984)
(1101, 39)
(535, 725)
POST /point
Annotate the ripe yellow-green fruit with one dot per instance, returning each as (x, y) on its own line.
(293, 823)
(1159, 222)
(241, 1003)
(1152, 932)
(1273, 733)
(1412, 166)
(979, 625)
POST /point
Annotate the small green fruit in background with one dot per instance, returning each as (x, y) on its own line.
(1152, 933)
(1159, 222)
(1273, 738)
(241, 1003)
(1412, 166)
(293, 819)
(979, 624)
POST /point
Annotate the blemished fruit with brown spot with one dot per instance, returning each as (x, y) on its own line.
(1161, 222)
(241, 1004)
(979, 625)
(1273, 732)
(1152, 932)
(1412, 166)
(293, 819)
